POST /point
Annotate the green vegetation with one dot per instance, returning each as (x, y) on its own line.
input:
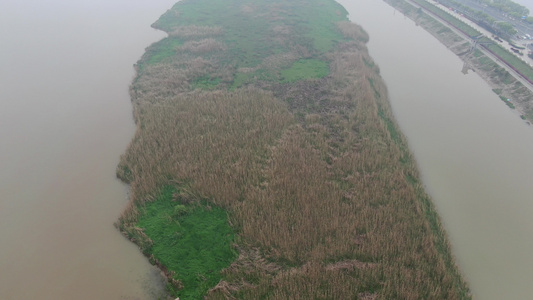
(197, 30)
(506, 28)
(163, 50)
(241, 28)
(206, 83)
(507, 102)
(394, 134)
(305, 69)
(504, 99)
(192, 240)
(271, 118)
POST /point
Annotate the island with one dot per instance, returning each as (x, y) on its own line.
(267, 164)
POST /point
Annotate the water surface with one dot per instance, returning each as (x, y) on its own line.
(65, 118)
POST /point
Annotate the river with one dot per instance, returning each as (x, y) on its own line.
(65, 118)
(475, 154)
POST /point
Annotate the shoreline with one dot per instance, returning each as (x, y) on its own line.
(494, 72)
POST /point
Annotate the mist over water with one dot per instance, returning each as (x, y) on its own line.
(65, 118)
(474, 153)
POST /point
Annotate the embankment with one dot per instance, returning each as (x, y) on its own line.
(512, 91)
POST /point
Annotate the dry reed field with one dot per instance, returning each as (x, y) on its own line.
(285, 125)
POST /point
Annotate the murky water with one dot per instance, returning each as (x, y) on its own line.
(475, 154)
(65, 118)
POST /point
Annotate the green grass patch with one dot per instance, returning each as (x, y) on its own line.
(486, 63)
(376, 93)
(394, 134)
(162, 50)
(194, 241)
(305, 69)
(322, 30)
(443, 30)
(249, 28)
(206, 83)
(241, 79)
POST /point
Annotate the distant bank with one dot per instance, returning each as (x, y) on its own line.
(459, 38)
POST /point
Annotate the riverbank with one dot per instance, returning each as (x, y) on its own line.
(274, 117)
(511, 90)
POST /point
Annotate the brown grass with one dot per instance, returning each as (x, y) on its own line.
(194, 31)
(202, 46)
(353, 31)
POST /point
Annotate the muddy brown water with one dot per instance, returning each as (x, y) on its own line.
(65, 118)
(475, 154)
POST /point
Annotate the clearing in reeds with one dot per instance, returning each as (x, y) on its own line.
(269, 122)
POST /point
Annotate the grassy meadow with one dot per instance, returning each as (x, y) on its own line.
(267, 163)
